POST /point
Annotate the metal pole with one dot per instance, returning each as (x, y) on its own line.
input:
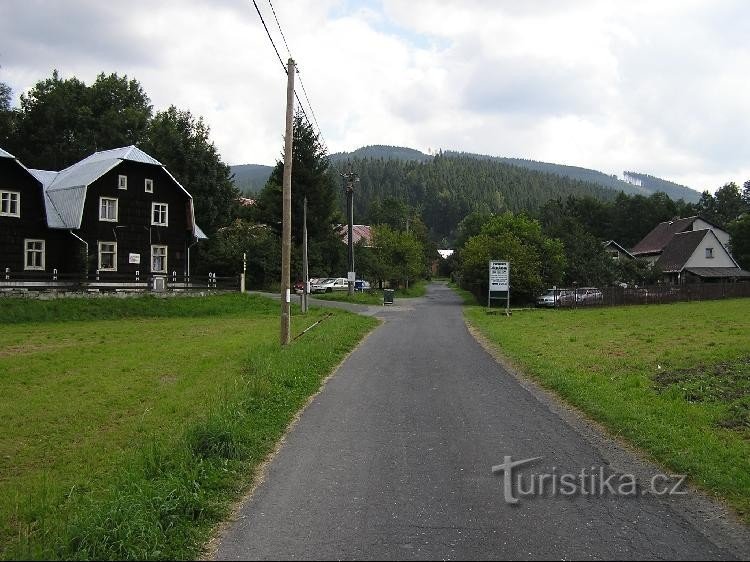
(350, 213)
(305, 272)
(286, 231)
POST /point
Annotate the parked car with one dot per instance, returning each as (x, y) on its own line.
(361, 285)
(556, 297)
(329, 285)
(588, 295)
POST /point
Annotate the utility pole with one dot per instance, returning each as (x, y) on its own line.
(350, 179)
(305, 272)
(286, 230)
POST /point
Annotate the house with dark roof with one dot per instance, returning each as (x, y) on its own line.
(117, 212)
(690, 250)
(653, 244)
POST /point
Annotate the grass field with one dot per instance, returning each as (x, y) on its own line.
(375, 296)
(672, 379)
(127, 435)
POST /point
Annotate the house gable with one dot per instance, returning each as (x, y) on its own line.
(23, 224)
(690, 249)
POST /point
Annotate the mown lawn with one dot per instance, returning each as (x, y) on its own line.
(672, 379)
(128, 438)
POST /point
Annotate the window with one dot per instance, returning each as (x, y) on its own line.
(122, 182)
(158, 259)
(10, 204)
(108, 256)
(159, 214)
(107, 209)
(149, 185)
(34, 254)
(709, 253)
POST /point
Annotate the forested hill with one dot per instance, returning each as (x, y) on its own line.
(382, 151)
(648, 184)
(448, 187)
(674, 190)
(250, 178)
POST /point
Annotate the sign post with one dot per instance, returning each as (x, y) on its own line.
(499, 286)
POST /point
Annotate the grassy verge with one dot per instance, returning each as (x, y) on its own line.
(129, 438)
(375, 296)
(672, 379)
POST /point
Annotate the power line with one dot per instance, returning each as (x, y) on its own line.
(282, 33)
(283, 66)
(269, 36)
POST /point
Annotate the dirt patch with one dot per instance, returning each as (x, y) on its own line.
(724, 383)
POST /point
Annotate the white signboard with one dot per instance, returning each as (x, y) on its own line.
(499, 276)
(134, 258)
(351, 277)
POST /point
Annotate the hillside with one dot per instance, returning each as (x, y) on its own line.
(448, 187)
(380, 151)
(674, 190)
(250, 178)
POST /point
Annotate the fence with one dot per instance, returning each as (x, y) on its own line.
(656, 294)
(571, 297)
(112, 281)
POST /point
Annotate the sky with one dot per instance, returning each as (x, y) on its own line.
(658, 87)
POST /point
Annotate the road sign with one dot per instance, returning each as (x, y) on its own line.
(499, 276)
(499, 286)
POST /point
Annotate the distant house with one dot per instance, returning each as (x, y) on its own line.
(653, 244)
(690, 250)
(616, 252)
(360, 233)
(115, 212)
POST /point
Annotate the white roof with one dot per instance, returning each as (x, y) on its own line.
(65, 191)
(4, 154)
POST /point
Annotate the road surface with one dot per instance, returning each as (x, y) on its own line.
(393, 460)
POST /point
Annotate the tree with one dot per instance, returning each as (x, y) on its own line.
(311, 178)
(7, 116)
(536, 260)
(223, 253)
(62, 120)
(182, 143)
(739, 230)
(397, 256)
(729, 203)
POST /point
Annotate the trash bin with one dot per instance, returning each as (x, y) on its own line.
(388, 296)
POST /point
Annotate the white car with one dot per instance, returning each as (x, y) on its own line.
(329, 285)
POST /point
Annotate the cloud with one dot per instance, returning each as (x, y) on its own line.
(651, 86)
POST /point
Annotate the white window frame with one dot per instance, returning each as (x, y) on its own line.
(166, 214)
(122, 182)
(114, 260)
(166, 254)
(27, 250)
(8, 196)
(101, 202)
(148, 185)
(709, 253)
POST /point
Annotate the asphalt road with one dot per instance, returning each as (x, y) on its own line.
(393, 460)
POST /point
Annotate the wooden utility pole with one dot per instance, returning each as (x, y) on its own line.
(286, 215)
(305, 272)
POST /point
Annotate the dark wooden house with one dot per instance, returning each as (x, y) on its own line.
(118, 215)
(27, 246)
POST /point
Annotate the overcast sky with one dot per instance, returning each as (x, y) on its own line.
(654, 86)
